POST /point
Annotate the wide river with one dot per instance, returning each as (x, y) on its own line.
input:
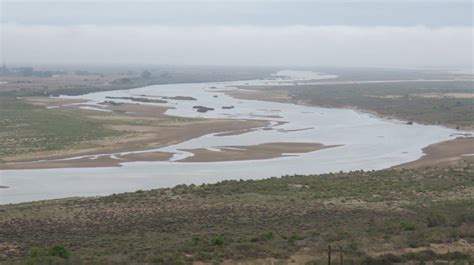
(367, 142)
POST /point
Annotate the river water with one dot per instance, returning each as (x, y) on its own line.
(366, 142)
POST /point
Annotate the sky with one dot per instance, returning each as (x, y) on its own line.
(383, 33)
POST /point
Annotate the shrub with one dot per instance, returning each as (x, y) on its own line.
(268, 236)
(217, 240)
(434, 220)
(59, 251)
(55, 255)
(407, 226)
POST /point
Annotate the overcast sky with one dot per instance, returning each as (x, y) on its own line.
(384, 33)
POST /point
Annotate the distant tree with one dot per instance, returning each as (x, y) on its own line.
(81, 72)
(165, 75)
(4, 70)
(26, 71)
(145, 74)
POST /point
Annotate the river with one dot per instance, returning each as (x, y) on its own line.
(366, 142)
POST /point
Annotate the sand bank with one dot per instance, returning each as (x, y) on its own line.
(252, 152)
(444, 153)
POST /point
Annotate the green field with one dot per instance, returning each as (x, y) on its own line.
(364, 212)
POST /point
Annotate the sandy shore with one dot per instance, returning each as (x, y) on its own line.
(252, 152)
(444, 154)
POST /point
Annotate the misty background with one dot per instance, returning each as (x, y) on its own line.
(399, 34)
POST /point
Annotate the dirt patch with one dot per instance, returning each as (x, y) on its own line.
(252, 152)
(444, 153)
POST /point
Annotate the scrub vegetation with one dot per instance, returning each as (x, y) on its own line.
(433, 102)
(379, 217)
(26, 128)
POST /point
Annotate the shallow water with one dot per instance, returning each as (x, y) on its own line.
(368, 142)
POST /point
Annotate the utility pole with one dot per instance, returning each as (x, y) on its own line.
(329, 254)
(340, 253)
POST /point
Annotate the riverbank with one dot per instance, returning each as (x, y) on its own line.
(409, 215)
(447, 153)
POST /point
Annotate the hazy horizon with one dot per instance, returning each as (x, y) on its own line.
(377, 34)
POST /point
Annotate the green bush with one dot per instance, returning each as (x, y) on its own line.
(217, 240)
(55, 255)
(59, 251)
(407, 226)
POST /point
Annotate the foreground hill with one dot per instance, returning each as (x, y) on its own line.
(379, 217)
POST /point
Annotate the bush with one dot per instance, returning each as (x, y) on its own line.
(217, 240)
(434, 220)
(55, 255)
(407, 226)
(59, 251)
(268, 236)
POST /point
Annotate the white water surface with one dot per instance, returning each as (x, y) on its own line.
(367, 142)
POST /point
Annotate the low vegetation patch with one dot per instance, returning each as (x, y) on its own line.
(398, 99)
(388, 211)
(25, 128)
